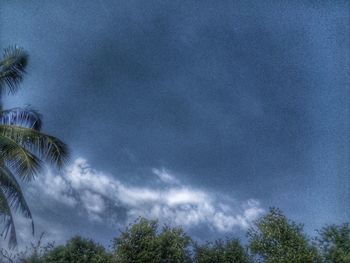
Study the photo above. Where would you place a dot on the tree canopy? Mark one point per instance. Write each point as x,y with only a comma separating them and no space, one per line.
142,242
229,251
334,243
272,239
276,239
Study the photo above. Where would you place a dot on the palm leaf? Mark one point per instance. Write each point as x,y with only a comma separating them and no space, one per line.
45,146
12,68
19,159
7,220
13,193
27,118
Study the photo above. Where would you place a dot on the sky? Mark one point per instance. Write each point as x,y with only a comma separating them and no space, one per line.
198,113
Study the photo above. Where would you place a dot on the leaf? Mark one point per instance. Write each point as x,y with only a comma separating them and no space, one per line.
26,118
19,159
12,68
9,226
45,146
13,193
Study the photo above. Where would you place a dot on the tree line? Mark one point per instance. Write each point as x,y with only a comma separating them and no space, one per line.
273,238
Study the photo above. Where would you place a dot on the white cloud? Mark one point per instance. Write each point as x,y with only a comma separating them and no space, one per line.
93,202
56,187
165,176
54,232
173,203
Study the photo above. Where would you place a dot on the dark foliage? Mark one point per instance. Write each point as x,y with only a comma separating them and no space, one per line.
229,251
272,239
142,243
77,250
275,239
334,243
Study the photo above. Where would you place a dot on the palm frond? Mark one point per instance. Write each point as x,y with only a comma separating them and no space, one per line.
26,117
7,220
46,147
18,159
13,193
12,68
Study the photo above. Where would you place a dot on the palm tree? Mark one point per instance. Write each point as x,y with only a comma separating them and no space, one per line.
23,147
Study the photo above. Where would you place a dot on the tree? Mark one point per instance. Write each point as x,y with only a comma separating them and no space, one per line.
334,243
141,243
77,250
275,239
173,245
229,251
23,147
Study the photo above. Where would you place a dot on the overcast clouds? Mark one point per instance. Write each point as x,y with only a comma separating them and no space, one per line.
212,109
103,200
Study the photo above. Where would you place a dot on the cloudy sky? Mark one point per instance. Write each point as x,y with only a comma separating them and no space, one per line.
198,113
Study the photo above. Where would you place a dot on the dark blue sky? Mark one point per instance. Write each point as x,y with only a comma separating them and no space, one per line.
237,99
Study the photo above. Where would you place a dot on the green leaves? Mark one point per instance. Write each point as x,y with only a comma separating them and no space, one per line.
142,243
46,147
78,250
334,243
23,148
18,159
26,118
230,251
12,69
11,199
17,145
279,240
13,192
7,220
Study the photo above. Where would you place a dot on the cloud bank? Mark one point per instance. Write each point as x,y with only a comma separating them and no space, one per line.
98,195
